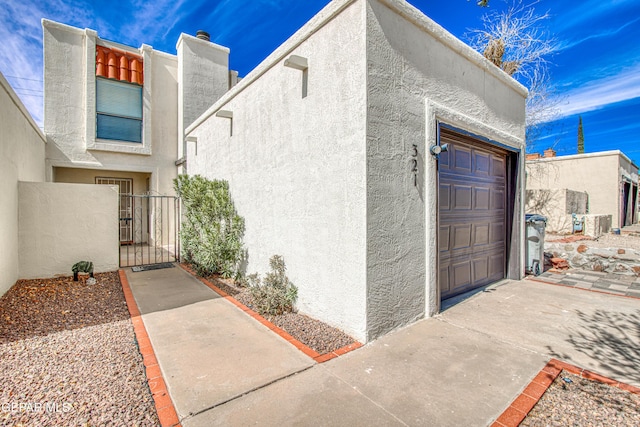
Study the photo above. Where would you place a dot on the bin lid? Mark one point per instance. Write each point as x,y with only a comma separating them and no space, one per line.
535,218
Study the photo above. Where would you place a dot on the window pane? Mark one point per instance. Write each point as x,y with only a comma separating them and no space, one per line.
119,128
117,98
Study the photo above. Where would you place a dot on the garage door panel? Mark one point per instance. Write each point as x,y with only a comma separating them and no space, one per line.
496,266
462,197
444,279
481,198
462,159
480,270
497,199
444,238
481,234
498,166
471,214
445,197
496,232
461,274
482,162
461,236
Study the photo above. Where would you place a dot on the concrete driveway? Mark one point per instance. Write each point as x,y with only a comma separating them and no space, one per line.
462,367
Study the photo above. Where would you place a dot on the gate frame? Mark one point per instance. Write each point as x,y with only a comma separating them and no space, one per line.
163,228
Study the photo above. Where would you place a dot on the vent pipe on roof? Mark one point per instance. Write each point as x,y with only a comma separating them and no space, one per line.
203,35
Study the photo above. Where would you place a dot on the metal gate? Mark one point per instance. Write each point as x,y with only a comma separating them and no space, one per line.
154,222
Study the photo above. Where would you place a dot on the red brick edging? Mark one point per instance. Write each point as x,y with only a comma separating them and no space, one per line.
520,407
319,358
164,406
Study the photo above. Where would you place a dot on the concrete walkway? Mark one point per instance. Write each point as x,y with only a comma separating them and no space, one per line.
617,284
462,367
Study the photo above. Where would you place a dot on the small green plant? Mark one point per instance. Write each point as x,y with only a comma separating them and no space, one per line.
211,230
275,294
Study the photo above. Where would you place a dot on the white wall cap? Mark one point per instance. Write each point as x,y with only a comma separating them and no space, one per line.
47,23
583,156
333,9
191,39
419,19
222,113
297,62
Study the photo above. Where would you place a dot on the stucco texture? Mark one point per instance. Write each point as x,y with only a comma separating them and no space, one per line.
325,180
61,224
69,111
296,166
600,175
418,74
22,148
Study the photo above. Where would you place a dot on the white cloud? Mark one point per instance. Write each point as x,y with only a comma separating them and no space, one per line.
564,45
576,15
598,93
21,48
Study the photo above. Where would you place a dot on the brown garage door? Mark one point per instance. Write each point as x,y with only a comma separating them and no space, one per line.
471,206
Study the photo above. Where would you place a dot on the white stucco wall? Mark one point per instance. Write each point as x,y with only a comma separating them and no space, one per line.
61,224
325,180
69,109
22,147
203,75
598,174
419,74
296,166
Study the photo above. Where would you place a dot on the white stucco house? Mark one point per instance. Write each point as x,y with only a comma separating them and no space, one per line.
329,148
609,178
115,115
379,155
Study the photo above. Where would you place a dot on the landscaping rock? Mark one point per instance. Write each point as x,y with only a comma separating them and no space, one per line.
560,263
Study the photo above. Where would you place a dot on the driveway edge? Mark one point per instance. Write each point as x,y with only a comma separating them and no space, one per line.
524,403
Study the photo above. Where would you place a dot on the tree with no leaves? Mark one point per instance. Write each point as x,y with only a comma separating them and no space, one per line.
514,40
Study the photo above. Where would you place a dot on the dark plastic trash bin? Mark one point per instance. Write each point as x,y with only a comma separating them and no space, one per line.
535,229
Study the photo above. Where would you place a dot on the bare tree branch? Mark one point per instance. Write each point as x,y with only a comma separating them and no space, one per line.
515,41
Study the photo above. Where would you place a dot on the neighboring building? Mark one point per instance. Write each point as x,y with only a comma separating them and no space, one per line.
609,178
116,115
330,145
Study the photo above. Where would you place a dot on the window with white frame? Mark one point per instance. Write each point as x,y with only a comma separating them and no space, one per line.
118,110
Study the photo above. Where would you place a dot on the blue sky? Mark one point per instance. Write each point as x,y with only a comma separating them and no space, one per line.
596,70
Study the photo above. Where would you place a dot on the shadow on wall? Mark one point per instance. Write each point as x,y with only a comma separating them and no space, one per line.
610,338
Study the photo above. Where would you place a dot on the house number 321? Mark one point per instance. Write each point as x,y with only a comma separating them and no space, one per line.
414,162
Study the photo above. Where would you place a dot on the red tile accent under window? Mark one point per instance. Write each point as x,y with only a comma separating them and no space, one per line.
117,64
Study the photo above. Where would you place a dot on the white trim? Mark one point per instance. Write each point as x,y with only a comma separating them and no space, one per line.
331,11
585,155
325,16
434,113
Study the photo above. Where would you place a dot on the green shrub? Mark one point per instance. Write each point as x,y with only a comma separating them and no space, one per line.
276,294
211,231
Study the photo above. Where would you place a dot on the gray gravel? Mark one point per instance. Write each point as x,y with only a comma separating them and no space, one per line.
583,402
85,376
